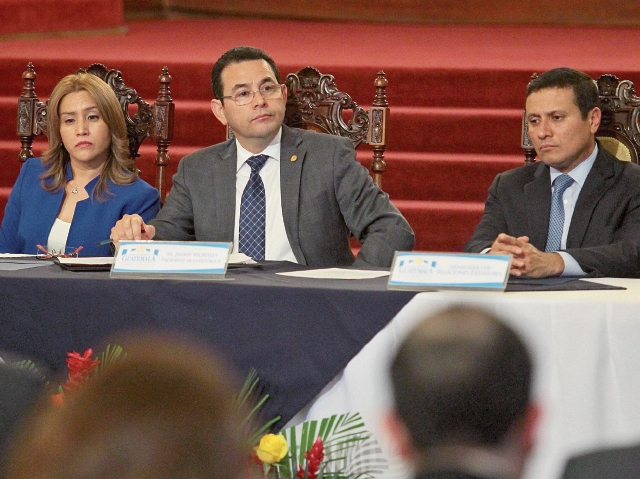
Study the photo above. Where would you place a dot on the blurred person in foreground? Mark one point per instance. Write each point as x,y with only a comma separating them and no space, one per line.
165,411
462,388
84,182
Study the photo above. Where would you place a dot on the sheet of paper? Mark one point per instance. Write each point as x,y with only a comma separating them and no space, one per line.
87,260
337,273
14,256
240,258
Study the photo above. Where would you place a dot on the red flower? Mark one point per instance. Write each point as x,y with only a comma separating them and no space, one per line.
80,367
57,399
314,457
254,458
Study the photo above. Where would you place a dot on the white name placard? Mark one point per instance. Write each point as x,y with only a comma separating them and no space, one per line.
464,271
170,259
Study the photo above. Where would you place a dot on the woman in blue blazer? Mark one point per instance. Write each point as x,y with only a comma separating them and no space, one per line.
84,182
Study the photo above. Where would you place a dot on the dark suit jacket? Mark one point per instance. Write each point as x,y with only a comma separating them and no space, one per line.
326,195
615,463
604,235
19,391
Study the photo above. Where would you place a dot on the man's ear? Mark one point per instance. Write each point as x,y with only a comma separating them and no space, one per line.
532,419
399,436
218,110
594,118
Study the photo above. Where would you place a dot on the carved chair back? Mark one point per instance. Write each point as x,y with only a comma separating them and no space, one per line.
142,119
619,131
314,102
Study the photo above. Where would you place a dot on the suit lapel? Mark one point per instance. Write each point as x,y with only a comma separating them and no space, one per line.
537,194
598,181
224,191
292,156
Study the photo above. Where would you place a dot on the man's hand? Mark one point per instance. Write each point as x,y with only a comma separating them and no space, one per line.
132,227
526,258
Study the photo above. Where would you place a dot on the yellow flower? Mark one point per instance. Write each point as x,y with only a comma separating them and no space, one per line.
272,448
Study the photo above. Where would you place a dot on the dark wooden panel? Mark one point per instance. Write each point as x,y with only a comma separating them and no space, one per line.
569,12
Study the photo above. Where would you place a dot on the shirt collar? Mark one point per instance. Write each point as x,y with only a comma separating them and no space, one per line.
580,172
272,150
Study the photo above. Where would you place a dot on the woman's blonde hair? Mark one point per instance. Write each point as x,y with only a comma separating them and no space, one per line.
119,167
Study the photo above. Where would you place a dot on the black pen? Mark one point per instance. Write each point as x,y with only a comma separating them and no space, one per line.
110,241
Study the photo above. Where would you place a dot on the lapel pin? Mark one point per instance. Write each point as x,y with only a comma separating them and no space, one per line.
294,157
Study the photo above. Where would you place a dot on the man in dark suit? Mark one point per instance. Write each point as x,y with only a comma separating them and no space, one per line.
613,463
317,194
575,212
462,383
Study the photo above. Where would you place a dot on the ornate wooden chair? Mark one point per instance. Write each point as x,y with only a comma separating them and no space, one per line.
619,130
314,102
155,121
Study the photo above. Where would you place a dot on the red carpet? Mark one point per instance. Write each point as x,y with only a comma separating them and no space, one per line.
456,92
29,17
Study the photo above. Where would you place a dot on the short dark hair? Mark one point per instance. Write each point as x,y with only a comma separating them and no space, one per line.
462,377
238,55
585,91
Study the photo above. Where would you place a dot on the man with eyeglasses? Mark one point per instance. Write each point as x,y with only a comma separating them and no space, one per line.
308,186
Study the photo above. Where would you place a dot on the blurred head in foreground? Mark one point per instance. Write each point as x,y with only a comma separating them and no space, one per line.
462,386
164,411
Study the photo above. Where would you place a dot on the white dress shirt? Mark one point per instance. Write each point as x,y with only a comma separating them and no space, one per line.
277,245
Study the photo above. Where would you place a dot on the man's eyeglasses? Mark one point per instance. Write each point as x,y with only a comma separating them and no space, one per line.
43,253
245,96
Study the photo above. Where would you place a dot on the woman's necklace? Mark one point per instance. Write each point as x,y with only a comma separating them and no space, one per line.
74,190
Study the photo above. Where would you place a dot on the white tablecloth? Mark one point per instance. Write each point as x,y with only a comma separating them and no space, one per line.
587,357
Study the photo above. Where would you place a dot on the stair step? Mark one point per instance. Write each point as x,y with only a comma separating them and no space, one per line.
37,16
409,175
430,87
441,225
463,130
442,176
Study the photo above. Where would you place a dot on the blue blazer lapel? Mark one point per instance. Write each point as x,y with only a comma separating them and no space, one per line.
224,191
292,157
537,194
598,181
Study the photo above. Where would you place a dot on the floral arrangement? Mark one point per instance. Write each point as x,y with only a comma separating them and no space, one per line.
81,367
337,447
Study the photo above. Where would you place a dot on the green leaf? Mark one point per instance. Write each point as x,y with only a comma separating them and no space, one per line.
244,401
350,451
112,354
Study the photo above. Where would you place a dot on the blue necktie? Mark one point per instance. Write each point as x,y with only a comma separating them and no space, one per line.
251,230
556,217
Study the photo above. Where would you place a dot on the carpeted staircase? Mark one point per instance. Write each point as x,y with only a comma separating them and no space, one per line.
454,124
38,17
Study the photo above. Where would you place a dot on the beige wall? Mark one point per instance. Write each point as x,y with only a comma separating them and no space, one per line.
566,12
